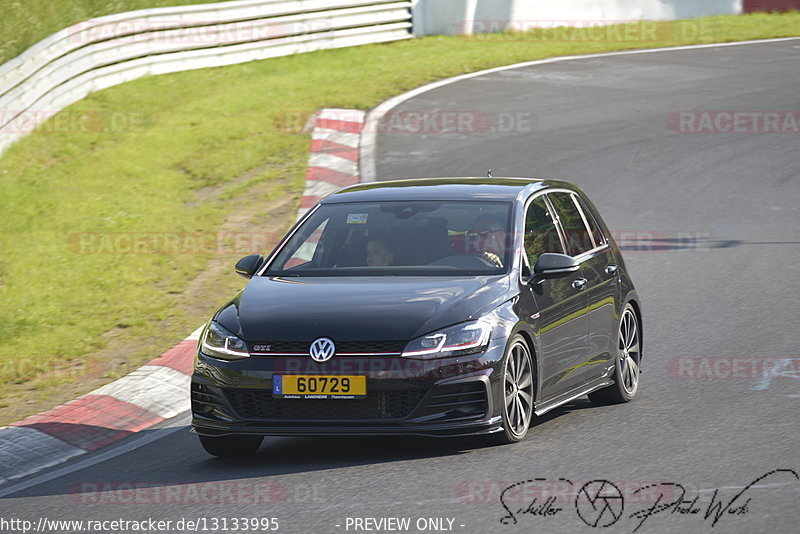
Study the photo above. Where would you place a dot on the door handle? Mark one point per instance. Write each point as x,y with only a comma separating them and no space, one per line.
579,284
611,269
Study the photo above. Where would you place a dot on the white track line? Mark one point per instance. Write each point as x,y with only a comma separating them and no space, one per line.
142,439
26,450
370,131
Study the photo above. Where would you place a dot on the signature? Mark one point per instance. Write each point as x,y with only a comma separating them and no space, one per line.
534,507
601,503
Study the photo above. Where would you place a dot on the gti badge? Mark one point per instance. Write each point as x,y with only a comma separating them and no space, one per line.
322,350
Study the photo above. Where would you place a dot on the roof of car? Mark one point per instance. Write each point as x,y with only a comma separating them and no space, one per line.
503,189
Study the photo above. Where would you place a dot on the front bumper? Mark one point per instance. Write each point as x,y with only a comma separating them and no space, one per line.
448,397
443,430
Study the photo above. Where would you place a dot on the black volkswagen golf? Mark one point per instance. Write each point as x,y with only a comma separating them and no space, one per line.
438,307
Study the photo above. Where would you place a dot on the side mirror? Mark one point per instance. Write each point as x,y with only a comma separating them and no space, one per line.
248,265
551,265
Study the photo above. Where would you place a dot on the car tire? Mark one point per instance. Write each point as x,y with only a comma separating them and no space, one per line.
232,445
627,362
518,392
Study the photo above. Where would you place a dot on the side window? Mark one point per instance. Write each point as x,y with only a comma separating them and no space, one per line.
594,228
578,238
541,233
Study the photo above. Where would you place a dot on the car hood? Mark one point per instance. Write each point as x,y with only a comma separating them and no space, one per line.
358,308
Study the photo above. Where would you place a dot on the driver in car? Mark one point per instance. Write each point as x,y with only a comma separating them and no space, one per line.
487,238
379,253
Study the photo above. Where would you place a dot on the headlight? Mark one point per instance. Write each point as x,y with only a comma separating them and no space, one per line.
220,343
466,338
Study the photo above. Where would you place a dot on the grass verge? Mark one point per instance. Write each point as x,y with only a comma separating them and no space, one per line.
202,167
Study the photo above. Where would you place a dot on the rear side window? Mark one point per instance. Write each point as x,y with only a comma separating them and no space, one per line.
594,228
579,240
541,232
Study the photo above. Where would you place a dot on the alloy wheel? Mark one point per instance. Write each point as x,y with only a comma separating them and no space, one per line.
629,351
518,388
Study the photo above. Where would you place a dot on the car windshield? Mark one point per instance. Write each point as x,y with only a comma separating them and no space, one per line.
413,238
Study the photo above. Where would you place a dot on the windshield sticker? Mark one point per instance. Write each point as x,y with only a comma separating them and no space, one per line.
356,218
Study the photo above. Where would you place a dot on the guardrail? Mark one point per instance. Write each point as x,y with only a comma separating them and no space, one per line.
107,51
751,6
452,17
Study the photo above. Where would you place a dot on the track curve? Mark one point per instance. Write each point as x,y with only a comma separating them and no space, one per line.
713,250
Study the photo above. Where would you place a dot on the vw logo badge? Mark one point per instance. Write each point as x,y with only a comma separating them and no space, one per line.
322,350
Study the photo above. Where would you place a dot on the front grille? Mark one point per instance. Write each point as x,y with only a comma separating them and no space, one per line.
342,347
370,346
293,347
259,404
465,400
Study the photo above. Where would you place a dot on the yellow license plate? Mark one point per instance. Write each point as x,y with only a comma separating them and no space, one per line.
319,386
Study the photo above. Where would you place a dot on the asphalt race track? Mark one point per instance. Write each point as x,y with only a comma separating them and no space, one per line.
709,224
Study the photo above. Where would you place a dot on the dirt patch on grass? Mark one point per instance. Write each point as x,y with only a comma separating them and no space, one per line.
265,209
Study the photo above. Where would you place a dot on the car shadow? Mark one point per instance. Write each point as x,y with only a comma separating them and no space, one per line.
180,461
344,451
